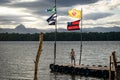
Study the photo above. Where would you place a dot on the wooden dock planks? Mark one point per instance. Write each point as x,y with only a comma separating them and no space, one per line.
90,67
112,71
83,70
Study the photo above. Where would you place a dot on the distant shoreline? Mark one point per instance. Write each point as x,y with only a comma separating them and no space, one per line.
62,36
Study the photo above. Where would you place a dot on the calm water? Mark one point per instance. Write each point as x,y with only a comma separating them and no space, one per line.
17,58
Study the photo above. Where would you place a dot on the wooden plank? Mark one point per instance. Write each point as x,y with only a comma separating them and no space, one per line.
90,67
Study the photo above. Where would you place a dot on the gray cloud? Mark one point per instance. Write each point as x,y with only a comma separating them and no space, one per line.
75,2
95,16
46,3
8,18
114,22
38,7
4,1
12,19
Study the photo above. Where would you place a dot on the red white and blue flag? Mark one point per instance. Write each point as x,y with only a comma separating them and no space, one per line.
73,25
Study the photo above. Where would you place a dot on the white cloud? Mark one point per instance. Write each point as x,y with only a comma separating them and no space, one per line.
32,14
101,7
13,11
21,1
105,22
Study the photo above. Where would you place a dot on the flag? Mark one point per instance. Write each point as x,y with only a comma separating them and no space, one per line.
51,20
75,13
52,17
52,10
51,23
73,25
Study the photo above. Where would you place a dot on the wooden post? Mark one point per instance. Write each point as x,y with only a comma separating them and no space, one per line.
38,56
110,69
113,65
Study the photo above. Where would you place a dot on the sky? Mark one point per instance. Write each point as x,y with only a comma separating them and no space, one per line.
33,14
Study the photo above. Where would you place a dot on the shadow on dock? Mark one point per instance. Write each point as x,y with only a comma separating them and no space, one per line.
92,71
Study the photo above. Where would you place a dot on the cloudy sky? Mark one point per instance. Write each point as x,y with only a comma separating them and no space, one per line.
32,13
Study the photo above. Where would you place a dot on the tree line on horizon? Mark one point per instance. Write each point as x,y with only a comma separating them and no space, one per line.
62,36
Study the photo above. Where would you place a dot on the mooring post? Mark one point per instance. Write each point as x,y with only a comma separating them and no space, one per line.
38,56
110,69
114,66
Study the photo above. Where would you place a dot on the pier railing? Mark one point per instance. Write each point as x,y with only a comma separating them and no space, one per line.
114,65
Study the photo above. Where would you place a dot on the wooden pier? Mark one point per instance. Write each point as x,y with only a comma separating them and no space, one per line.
83,70
111,72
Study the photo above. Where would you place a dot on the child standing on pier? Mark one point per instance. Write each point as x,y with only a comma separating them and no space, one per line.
72,54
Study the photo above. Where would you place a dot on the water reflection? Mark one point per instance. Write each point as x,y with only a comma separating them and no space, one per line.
72,77
53,76
16,58
58,76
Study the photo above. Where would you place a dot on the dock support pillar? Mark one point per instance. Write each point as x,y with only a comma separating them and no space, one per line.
114,66
38,56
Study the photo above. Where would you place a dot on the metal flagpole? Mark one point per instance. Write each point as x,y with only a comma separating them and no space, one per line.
81,39
55,34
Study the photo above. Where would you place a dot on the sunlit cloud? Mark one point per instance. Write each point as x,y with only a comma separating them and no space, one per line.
13,11
21,1
32,13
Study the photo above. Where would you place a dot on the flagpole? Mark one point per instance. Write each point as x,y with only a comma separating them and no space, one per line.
55,34
80,39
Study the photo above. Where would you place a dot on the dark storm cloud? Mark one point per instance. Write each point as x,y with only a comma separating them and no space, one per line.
66,3
63,3
95,16
38,7
35,4
4,1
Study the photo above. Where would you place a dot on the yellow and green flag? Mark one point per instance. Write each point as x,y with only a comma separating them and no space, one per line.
75,13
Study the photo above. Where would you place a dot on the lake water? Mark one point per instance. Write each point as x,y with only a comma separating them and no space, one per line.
17,58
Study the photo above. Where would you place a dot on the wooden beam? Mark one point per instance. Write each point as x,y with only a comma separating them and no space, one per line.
110,69
38,56
114,63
